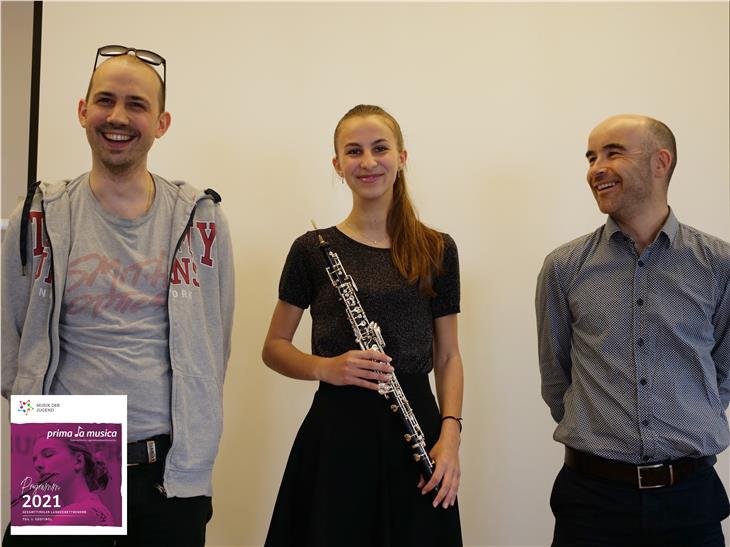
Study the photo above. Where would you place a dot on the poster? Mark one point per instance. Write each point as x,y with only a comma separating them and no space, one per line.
67,465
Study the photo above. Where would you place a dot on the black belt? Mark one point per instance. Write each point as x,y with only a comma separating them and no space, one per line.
650,475
149,450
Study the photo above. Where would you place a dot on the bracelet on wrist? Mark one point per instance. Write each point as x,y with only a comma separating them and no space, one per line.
458,420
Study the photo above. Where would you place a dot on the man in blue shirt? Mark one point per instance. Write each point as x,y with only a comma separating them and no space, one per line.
634,343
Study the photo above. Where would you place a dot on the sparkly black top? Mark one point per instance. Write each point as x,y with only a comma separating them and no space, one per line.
404,314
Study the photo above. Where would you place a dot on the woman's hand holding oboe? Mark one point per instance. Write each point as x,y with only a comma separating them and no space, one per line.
355,368
445,454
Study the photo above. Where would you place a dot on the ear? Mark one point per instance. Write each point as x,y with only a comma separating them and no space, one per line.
402,157
163,124
660,163
79,463
82,112
336,165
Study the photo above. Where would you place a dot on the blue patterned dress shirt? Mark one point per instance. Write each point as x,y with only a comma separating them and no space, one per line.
635,350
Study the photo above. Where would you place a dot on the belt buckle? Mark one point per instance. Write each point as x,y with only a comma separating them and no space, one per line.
640,468
152,453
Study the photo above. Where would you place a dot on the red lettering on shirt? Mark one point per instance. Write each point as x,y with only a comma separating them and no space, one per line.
36,220
207,233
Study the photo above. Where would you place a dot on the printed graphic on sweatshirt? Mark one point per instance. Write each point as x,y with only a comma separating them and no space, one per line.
41,250
97,283
185,267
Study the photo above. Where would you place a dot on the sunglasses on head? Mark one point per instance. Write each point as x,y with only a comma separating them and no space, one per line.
145,55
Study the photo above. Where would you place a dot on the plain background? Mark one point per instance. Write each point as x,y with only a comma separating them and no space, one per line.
496,102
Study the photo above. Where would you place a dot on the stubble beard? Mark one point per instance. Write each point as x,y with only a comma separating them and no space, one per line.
118,168
117,163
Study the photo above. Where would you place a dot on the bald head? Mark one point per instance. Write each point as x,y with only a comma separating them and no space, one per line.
131,62
656,134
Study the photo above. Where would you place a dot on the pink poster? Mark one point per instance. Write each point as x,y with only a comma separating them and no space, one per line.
66,474
66,477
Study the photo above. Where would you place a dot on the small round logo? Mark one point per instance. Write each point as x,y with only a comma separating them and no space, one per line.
25,407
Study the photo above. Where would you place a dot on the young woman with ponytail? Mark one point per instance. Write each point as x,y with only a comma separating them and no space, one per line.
351,479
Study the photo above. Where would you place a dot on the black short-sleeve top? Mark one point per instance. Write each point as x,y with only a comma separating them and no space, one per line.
404,314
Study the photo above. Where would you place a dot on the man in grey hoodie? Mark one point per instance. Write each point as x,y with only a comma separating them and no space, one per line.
123,284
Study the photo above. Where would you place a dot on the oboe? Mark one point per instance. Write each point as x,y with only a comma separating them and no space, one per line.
368,337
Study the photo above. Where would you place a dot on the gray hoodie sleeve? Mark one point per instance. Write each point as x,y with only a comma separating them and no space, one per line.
227,280
15,297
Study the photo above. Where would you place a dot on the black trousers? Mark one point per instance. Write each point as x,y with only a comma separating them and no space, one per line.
593,512
152,518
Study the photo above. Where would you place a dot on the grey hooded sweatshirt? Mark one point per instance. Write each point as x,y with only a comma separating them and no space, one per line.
199,336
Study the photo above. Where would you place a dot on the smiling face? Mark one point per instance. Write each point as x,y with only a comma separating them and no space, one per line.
368,158
121,116
620,168
53,460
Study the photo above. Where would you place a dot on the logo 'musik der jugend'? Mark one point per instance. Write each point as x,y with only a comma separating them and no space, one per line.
25,407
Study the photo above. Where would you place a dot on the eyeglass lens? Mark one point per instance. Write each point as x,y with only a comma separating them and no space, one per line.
143,54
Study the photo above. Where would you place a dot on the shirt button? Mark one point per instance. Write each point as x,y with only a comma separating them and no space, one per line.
642,381
645,458
641,263
645,423
640,302
640,341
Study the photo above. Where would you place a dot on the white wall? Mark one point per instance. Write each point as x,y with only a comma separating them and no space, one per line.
17,47
496,102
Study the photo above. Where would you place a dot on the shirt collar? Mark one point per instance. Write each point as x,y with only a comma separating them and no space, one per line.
670,227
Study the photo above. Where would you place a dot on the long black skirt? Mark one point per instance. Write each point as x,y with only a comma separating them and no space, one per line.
351,480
